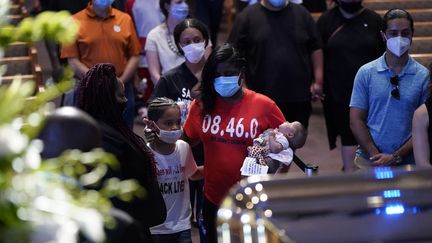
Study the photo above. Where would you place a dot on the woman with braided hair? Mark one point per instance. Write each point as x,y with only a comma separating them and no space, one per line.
102,96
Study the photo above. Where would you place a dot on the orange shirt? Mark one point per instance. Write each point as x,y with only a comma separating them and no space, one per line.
111,40
226,133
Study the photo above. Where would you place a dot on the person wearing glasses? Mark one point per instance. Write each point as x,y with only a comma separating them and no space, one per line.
385,95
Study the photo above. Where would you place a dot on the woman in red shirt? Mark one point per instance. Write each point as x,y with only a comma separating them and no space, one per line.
226,118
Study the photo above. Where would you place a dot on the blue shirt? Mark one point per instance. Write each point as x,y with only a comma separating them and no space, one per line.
389,119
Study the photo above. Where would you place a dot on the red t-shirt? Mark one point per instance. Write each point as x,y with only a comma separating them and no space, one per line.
226,133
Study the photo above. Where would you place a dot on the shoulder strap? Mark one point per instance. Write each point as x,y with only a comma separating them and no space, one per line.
336,31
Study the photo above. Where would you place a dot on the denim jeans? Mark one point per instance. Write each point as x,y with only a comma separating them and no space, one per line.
196,189
179,237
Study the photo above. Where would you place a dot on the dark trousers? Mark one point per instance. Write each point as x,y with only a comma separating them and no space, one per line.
209,215
196,192
179,237
296,111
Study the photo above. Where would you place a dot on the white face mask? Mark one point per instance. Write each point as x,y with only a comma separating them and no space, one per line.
169,136
194,52
398,45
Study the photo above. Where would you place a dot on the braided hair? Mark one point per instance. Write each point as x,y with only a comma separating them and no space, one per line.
97,97
158,106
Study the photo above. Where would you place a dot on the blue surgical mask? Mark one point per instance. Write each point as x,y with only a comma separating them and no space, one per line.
103,4
227,86
179,11
277,3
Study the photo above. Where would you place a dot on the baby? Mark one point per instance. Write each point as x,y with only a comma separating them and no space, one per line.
277,144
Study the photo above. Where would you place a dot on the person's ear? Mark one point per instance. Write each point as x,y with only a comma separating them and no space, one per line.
291,135
383,36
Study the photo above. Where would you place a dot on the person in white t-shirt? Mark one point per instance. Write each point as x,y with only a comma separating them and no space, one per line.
161,51
175,165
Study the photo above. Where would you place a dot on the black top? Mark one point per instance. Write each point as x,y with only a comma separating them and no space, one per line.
429,110
134,164
315,5
348,44
278,46
177,85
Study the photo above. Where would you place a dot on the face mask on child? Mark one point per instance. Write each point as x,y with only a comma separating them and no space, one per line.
169,136
179,11
227,86
121,106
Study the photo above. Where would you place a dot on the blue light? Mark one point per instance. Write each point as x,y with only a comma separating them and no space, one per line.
391,193
394,209
383,173
377,211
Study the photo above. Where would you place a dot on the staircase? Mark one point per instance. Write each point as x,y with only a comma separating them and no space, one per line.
21,58
421,10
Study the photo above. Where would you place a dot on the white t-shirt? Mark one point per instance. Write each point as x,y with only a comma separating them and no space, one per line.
173,171
157,40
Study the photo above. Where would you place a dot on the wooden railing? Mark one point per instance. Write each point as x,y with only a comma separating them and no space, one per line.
21,58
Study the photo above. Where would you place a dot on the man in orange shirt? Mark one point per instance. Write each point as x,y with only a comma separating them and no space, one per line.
106,35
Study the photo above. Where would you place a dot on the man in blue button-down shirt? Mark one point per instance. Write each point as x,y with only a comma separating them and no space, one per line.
385,95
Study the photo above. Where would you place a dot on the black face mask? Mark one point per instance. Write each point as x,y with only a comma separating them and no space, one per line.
121,106
350,7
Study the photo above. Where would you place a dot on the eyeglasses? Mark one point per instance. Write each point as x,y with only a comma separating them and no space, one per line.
395,91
